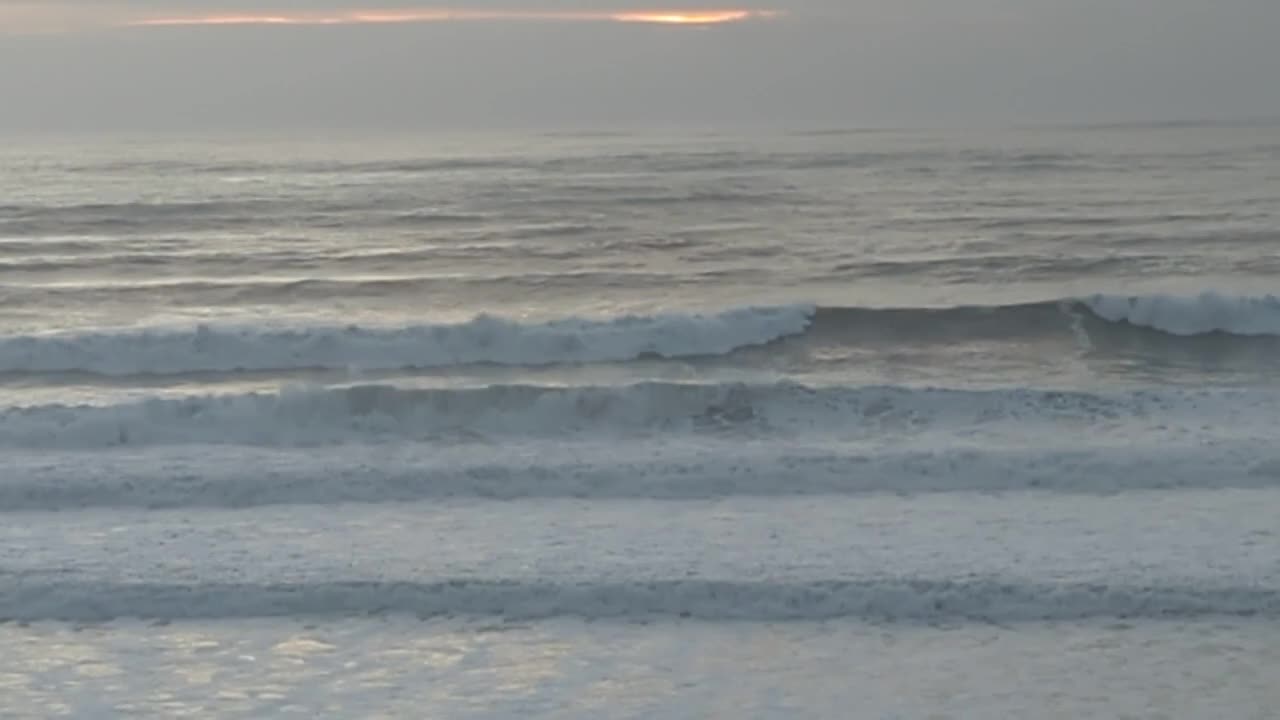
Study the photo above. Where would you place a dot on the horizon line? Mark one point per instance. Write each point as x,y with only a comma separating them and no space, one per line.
687,17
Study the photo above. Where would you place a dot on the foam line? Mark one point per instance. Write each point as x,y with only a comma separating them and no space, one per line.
375,414
895,600
1208,312
203,477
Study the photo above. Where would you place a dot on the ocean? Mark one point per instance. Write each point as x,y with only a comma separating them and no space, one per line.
868,424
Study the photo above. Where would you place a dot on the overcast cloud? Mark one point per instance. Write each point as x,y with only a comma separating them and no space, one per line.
68,64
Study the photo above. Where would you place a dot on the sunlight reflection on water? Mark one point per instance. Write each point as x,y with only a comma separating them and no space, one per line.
404,668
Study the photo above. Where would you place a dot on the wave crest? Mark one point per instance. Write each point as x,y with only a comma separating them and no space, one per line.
1208,312
491,340
484,340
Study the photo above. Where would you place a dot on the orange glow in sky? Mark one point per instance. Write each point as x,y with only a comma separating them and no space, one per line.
699,17
372,17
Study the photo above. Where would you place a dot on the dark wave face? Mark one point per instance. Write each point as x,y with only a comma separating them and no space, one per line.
1206,338
1167,319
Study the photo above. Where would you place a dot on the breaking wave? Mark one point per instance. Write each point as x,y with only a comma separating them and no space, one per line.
483,340
1208,312
490,340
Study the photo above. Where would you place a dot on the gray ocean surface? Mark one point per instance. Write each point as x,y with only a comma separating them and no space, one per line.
319,410
960,257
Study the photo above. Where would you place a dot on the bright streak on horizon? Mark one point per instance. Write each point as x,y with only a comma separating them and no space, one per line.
375,17
709,17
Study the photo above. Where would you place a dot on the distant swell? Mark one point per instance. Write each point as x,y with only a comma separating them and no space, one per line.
897,600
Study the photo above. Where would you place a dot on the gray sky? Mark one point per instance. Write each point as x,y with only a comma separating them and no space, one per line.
71,64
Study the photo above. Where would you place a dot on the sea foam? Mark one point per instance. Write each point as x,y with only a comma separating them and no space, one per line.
378,414
1207,312
977,599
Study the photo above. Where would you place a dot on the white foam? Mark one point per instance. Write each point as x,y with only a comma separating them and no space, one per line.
1012,556
887,599
379,445
485,339
1192,315
366,414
